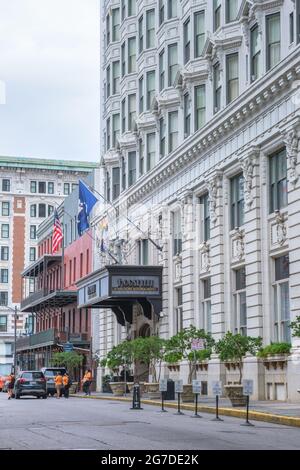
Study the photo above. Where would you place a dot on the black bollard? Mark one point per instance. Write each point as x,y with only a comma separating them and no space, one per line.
247,423
136,398
162,403
178,406
196,415
217,410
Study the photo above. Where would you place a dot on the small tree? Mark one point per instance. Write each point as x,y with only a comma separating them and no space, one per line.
69,360
150,351
295,326
179,347
235,347
119,355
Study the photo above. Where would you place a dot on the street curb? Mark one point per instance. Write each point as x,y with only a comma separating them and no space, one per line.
254,415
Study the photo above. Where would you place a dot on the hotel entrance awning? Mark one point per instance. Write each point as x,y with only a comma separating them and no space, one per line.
120,287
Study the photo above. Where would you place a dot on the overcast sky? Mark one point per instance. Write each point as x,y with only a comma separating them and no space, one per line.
49,64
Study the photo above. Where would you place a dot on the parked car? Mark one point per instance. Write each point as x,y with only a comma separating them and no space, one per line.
3,383
50,373
30,383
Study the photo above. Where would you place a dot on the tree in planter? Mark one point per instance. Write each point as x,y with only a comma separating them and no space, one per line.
179,347
150,350
70,360
274,349
235,347
120,355
295,326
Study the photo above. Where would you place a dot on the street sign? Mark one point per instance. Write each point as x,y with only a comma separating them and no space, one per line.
247,387
198,344
68,347
217,388
196,386
163,385
178,386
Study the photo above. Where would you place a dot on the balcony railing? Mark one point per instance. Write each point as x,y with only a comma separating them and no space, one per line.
34,297
49,337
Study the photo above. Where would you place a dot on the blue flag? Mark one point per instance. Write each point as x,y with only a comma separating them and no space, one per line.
87,200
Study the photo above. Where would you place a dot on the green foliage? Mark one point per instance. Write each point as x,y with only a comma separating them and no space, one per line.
70,360
180,347
235,347
120,355
275,348
149,350
295,326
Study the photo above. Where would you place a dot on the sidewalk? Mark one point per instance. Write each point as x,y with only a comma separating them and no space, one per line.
268,411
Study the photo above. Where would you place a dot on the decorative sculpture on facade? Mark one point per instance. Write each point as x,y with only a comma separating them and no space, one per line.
292,145
281,232
213,187
248,170
205,257
238,244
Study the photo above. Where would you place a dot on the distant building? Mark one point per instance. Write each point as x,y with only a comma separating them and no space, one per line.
30,188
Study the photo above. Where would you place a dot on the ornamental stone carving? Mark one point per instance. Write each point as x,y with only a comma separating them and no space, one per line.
213,189
178,269
205,257
238,246
281,231
248,171
292,145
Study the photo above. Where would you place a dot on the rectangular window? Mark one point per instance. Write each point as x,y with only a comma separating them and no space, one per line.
116,77
74,186
115,24
240,306
273,40
123,58
50,210
206,305
278,181
231,10
143,249
161,11
107,30
131,168
5,209
141,156
131,7
108,82
4,253
173,130
200,106
237,202
217,14
33,186
187,115
172,9
187,41
32,254
255,53
232,73
172,63
150,29
33,210
123,173
42,187
162,137
177,233
123,106
141,34
116,129
162,70
178,310
150,151
199,31
205,217
292,34
42,210
141,95
131,112
50,187
217,88
131,55
108,134
108,185
5,231
150,88
123,9
66,189
115,183
4,276
6,185
32,232
3,318
282,314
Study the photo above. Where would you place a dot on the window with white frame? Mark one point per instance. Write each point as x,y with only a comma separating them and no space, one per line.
4,253
115,183
107,30
3,318
172,9
162,70
143,252
42,210
5,206
66,189
206,304
141,34
108,82
123,108
278,181
200,106
205,217
150,151
5,185
124,175
131,55
131,7
50,210
31,286
178,310
231,10
115,24
177,233
232,73
187,40
50,187
123,58
217,87
123,9
162,137
115,129
131,168
131,111
141,157
187,115
107,187
199,32
33,186
141,94
173,130
4,276
150,88
32,253
292,28
32,232
255,51
217,5
4,230
3,298
172,63
116,77
273,39
42,187
237,202
150,29
108,134
161,11
239,301
281,297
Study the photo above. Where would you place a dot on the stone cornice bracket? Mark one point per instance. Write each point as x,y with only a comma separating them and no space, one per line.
213,191
248,160
291,137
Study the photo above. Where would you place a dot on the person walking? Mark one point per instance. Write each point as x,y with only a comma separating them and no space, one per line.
58,384
87,380
66,384
10,387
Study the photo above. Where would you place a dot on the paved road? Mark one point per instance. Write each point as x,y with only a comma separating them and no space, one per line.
106,425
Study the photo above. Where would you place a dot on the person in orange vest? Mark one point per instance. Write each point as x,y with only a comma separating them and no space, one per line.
58,384
86,381
66,384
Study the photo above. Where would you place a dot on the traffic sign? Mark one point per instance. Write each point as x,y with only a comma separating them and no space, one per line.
68,347
196,386
163,385
247,387
217,388
198,344
178,386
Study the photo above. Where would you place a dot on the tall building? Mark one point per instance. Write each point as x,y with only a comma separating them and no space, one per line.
201,113
30,189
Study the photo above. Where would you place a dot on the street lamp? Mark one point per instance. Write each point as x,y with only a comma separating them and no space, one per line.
15,310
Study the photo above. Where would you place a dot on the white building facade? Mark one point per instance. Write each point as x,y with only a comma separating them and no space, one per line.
201,131
30,189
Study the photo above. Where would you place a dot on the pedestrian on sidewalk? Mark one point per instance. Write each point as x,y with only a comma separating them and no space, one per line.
67,384
58,384
10,387
86,382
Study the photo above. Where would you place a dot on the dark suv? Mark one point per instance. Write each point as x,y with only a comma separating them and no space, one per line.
30,383
50,373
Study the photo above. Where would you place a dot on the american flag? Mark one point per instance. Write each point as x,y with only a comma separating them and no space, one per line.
57,233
